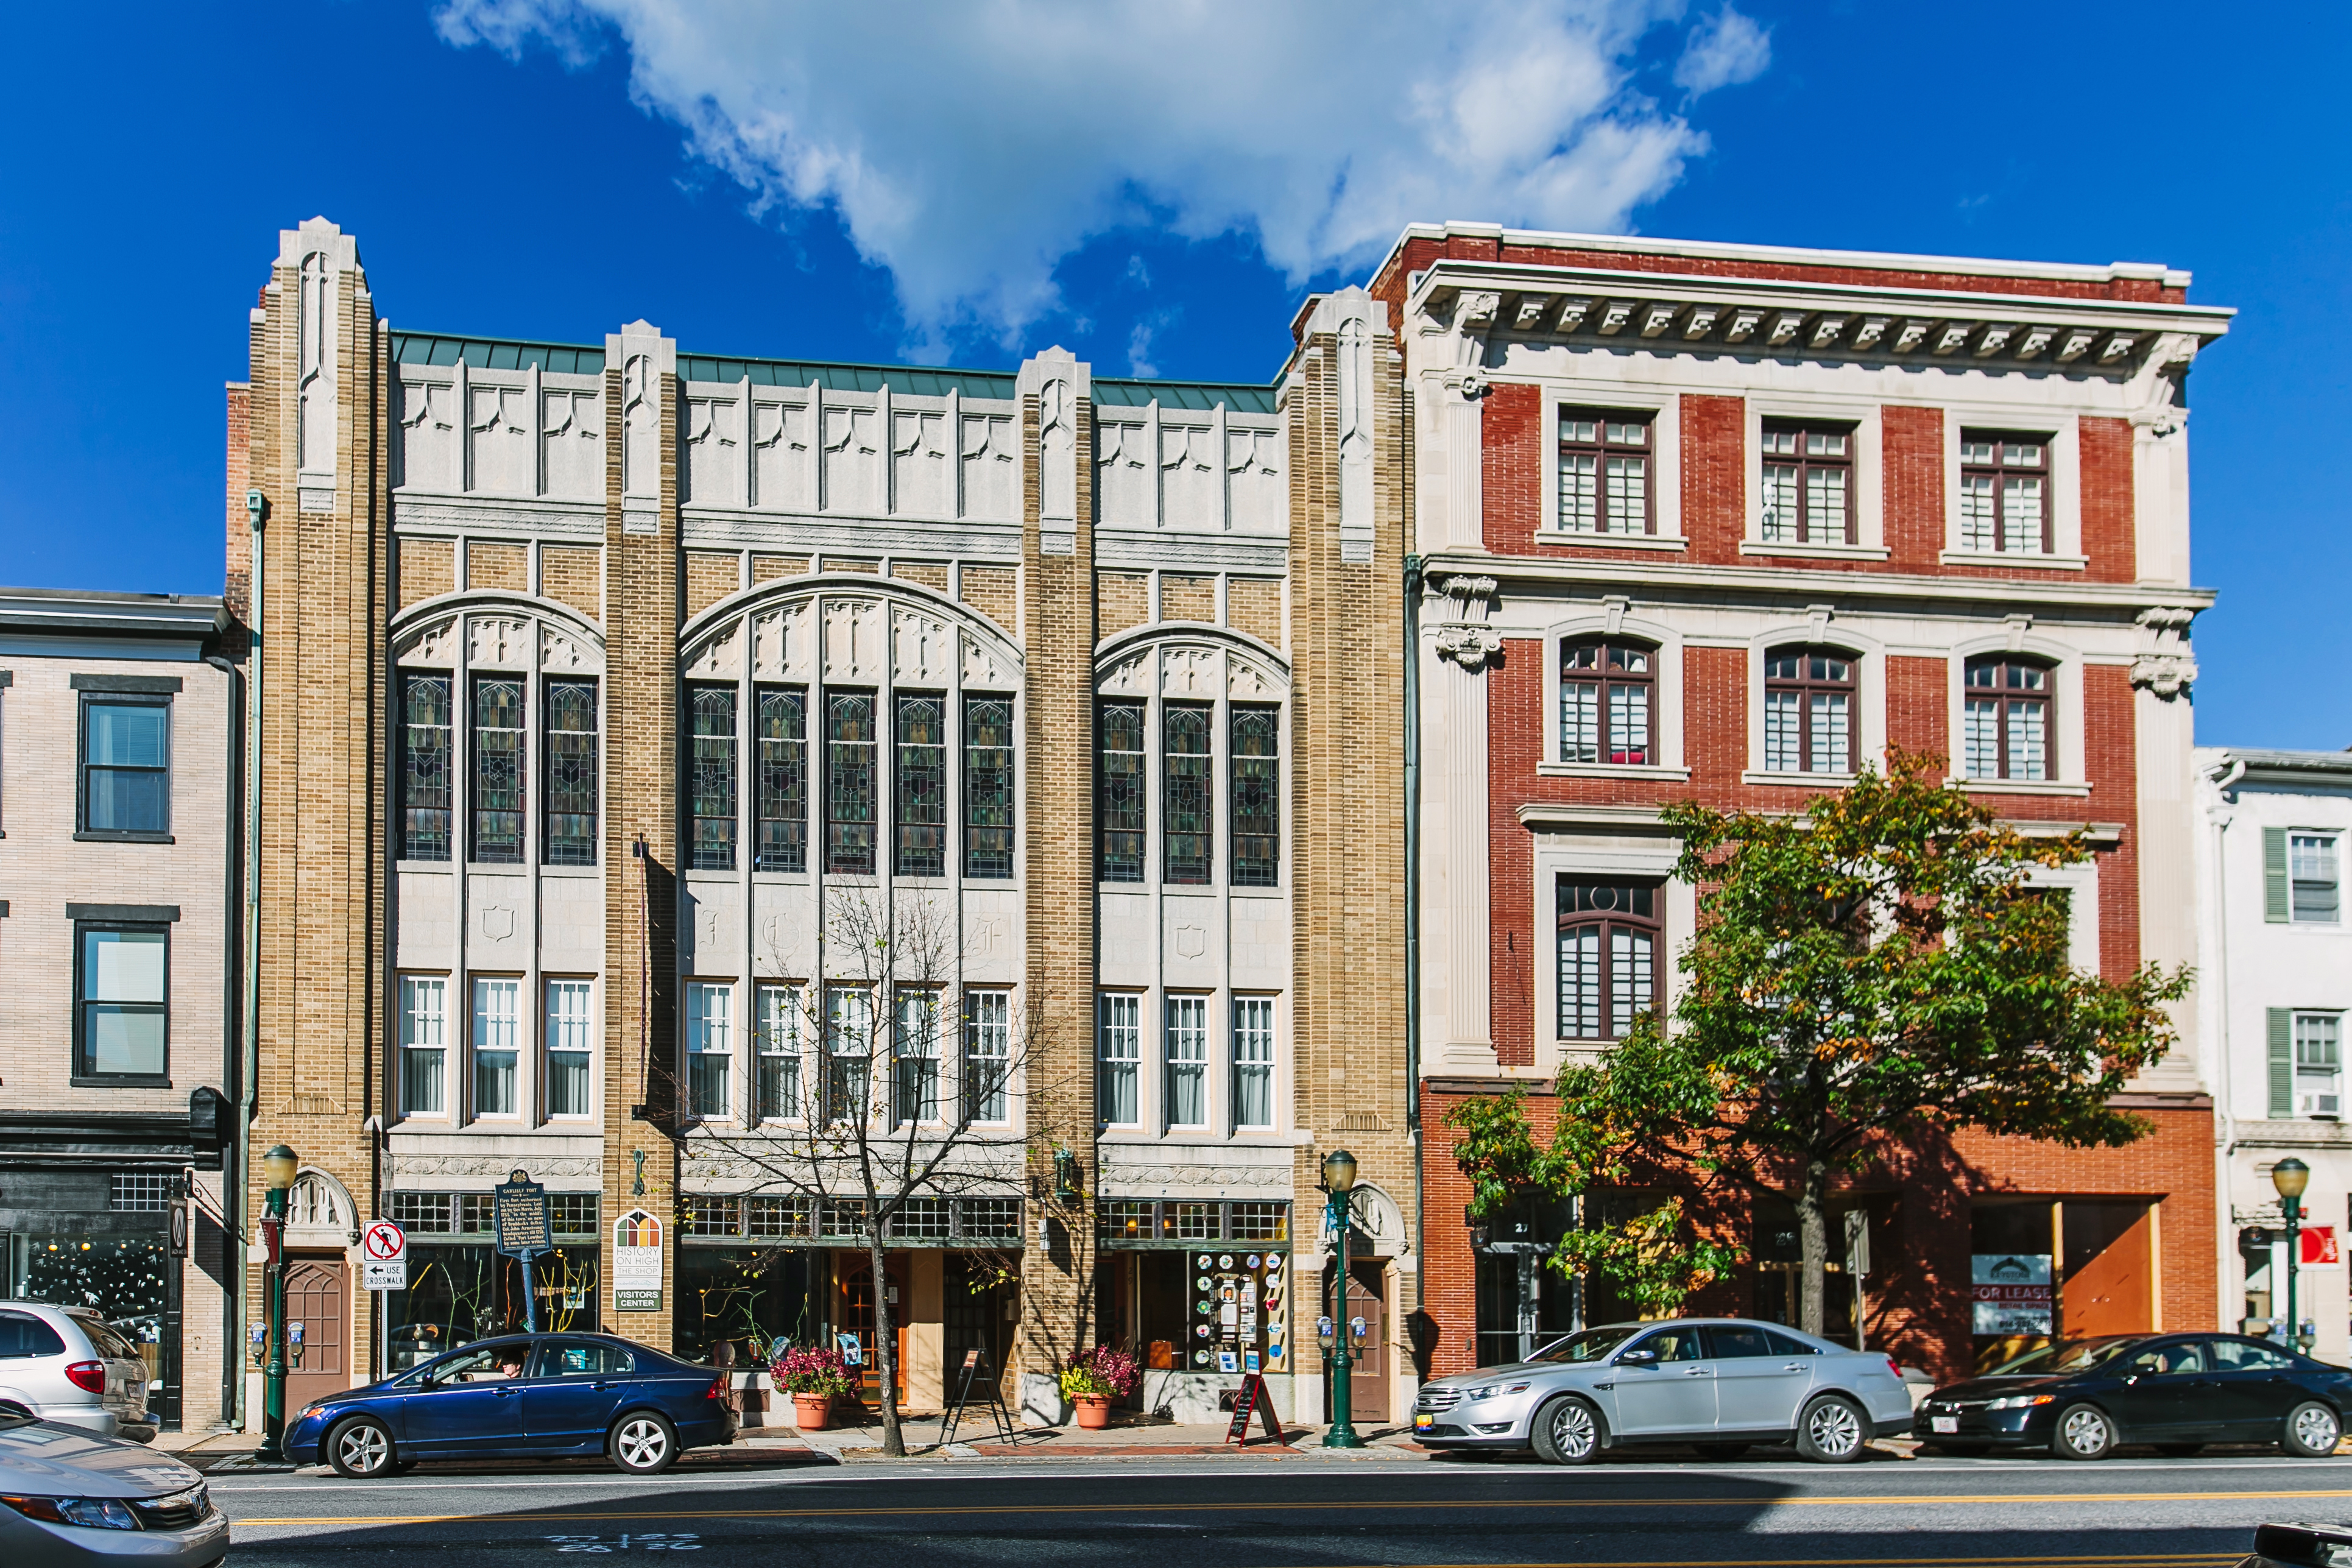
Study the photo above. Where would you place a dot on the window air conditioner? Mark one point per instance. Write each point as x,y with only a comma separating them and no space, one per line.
2330,1105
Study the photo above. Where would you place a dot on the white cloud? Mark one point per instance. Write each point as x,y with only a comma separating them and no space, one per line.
1724,50
969,147
1138,348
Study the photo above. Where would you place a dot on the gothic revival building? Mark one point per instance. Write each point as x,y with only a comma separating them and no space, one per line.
618,702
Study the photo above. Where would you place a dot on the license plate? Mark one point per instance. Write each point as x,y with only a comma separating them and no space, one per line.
1422,1419
1943,1423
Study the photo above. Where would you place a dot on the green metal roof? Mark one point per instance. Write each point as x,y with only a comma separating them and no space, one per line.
491,353
574,359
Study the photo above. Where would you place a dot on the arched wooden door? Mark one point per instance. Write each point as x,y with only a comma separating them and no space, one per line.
318,1296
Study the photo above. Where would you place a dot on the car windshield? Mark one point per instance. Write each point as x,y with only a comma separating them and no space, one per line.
1589,1345
2065,1356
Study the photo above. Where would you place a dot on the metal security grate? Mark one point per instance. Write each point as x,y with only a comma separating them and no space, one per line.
141,1191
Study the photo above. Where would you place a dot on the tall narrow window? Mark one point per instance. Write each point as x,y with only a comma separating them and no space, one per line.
2319,1064
1607,699
987,1053
498,1045
849,742
1808,711
919,799
567,1047
1187,1042
126,775
423,1044
1118,1055
784,781
425,804
1808,485
848,1048
2312,878
1608,957
498,744
915,1051
123,1021
2006,720
1119,792
1188,811
988,787
570,743
710,1048
780,1054
2005,493
1256,763
711,781
1252,1061
1604,472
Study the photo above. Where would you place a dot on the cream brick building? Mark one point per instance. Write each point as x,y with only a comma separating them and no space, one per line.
119,916
606,687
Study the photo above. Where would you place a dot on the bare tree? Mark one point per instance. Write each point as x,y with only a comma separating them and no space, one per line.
872,1107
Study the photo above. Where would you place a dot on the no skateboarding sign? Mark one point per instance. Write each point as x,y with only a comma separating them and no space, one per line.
384,1256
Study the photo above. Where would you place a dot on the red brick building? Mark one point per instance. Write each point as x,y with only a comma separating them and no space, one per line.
1730,522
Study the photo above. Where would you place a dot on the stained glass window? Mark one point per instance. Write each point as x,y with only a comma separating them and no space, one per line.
570,743
988,787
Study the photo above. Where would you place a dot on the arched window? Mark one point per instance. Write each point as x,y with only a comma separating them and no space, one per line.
1809,701
2005,721
1608,702
1608,957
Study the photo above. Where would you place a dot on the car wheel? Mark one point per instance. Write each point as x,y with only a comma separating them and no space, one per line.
642,1443
359,1448
2083,1432
1721,1450
1833,1430
2180,1450
2312,1430
1566,1431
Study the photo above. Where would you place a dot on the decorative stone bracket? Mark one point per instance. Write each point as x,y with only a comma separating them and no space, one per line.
2164,664
1465,637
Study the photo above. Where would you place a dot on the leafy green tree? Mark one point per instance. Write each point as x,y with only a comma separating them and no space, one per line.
1873,970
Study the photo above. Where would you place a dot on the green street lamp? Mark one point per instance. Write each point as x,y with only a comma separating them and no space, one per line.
2291,1176
278,1168
1339,1185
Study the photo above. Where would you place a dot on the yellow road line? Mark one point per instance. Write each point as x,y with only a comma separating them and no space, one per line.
981,1510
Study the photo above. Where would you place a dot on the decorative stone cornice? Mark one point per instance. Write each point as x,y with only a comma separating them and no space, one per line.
2164,664
1474,300
1466,638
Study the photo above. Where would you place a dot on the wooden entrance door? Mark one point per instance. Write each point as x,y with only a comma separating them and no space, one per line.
854,1314
1367,1385
317,1297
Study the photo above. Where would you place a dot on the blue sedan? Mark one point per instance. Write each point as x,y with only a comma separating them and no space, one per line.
552,1395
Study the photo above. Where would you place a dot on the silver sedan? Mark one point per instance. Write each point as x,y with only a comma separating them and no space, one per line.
71,1498
1723,1384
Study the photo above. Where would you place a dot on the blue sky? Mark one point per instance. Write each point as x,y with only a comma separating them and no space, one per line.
1155,188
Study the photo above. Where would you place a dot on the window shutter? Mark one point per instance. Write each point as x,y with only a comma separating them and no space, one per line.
2275,890
2282,1063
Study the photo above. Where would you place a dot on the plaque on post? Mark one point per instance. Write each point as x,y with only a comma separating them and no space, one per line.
519,1216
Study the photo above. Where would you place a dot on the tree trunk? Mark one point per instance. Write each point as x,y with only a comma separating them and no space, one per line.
886,1345
1813,1230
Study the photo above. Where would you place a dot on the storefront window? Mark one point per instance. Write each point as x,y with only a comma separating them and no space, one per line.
120,1277
753,1296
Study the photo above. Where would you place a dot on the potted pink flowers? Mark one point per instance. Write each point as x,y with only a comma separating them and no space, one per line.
814,1377
1095,1378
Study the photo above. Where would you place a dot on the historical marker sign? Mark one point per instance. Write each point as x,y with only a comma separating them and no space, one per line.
518,1210
637,1262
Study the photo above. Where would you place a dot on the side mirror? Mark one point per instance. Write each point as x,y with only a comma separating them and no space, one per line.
1638,1358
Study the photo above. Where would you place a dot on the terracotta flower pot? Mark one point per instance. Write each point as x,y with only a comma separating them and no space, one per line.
1093,1411
811,1412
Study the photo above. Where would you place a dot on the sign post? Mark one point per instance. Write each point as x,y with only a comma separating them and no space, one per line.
384,1256
519,1209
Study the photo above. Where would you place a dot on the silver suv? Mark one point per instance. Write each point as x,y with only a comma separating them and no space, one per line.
1723,1384
64,1364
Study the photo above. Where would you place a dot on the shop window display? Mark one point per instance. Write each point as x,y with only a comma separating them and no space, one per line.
756,1297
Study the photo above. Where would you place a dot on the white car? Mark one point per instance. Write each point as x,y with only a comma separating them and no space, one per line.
1723,1384
64,1364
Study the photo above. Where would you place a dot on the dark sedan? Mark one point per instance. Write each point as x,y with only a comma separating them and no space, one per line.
2082,1398
553,1395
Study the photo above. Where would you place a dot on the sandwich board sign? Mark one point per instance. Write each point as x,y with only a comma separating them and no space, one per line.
384,1256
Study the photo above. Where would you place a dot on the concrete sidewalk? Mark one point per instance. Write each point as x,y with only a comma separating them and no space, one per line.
861,1441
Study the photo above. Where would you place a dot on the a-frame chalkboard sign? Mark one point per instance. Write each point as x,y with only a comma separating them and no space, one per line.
980,1384
1248,1399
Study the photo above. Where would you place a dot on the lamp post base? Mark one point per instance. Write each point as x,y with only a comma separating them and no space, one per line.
1342,1438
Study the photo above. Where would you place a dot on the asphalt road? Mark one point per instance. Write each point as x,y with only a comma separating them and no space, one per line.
1302,1512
